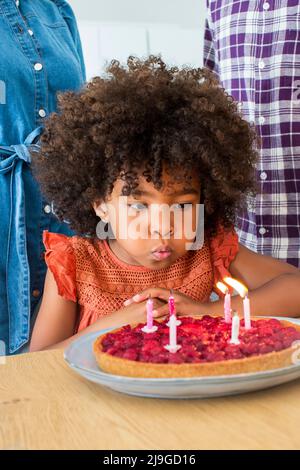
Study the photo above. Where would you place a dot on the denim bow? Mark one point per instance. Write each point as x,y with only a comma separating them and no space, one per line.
12,206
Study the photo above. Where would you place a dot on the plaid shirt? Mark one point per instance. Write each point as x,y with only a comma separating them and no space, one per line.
254,47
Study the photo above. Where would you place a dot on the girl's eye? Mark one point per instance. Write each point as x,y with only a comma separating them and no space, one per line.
181,207
137,206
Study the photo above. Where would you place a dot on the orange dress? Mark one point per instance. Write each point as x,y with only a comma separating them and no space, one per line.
87,272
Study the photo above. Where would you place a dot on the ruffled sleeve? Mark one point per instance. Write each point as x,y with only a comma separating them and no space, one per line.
224,248
60,259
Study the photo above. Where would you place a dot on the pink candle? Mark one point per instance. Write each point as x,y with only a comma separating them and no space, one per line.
149,328
172,311
149,308
227,301
171,303
227,307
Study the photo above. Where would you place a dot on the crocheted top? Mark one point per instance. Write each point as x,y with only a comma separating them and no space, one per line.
88,272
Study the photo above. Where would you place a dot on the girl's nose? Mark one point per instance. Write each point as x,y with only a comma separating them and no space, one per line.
161,222
162,233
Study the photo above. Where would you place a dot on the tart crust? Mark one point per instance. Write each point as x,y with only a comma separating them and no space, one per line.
125,367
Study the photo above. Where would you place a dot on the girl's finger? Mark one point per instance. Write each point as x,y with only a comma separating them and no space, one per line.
153,292
134,299
158,303
161,312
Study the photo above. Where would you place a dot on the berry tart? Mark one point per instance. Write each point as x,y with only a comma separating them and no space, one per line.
205,348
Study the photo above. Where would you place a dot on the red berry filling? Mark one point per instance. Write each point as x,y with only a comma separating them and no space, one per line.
202,340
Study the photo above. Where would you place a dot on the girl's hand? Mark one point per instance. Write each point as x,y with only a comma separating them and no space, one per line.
184,305
136,312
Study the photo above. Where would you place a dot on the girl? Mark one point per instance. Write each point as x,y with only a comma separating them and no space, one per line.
129,146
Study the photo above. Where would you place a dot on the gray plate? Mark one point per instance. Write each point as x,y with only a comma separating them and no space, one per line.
79,356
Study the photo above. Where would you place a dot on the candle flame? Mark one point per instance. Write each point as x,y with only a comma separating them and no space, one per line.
236,285
221,286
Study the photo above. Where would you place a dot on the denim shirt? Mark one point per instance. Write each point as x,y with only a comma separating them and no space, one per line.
40,54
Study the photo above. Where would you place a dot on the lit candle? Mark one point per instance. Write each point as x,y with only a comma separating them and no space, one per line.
227,301
149,328
243,292
172,347
172,311
235,329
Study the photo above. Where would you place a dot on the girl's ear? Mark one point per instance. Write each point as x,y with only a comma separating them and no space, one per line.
101,210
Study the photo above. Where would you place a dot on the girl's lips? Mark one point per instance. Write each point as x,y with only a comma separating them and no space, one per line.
161,255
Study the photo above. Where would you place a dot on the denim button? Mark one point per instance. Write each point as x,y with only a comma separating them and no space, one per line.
38,66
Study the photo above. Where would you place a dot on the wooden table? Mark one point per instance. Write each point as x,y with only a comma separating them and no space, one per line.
45,405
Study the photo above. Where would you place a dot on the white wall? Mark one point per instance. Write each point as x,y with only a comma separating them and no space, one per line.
183,12
115,29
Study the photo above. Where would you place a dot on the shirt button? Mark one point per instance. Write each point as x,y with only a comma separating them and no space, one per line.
30,32
42,113
266,6
263,175
261,120
35,293
262,230
261,64
38,66
18,3
47,209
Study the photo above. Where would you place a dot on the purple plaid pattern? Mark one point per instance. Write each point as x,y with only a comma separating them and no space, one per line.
254,47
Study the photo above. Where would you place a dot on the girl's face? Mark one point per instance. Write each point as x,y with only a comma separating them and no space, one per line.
152,228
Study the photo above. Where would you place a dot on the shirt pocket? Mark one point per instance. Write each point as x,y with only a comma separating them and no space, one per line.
46,12
229,35
48,22
286,43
